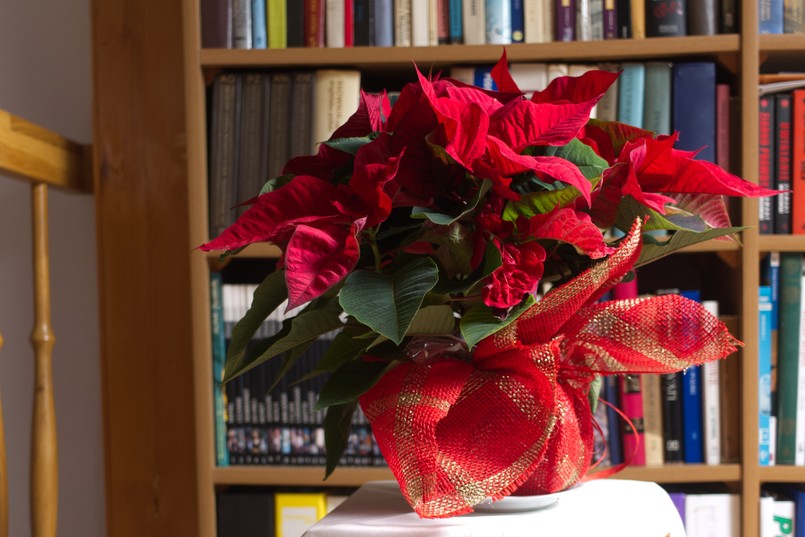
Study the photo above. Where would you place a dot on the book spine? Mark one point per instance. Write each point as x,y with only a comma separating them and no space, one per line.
584,23
782,164
610,19
793,16
334,24
218,361
711,402
798,163
652,419
729,392
666,18
790,326
638,14
607,107
216,23
548,19
518,21
766,141
259,30
723,125
443,22
596,20
402,23
632,405
420,23
672,417
799,417
703,16
336,97
624,14
770,16
349,21
692,429
280,123
223,151
764,375
300,138
498,22
474,22
251,170
362,23
615,442
384,23
565,20
295,22
242,24
533,21
657,106
456,22
729,17
694,108
314,23
433,22
631,93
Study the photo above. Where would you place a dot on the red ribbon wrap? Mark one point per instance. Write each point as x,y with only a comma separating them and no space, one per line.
516,419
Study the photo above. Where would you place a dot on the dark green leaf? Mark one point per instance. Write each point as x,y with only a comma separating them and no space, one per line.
276,182
433,320
343,349
480,321
446,219
350,381
491,261
680,239
542,202
337,424
350,145
387,303
582,155
630,209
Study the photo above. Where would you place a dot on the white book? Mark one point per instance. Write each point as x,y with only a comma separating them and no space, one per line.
712,515
783,517
767,516
652,419
548,20
530,76
555,70
596,20
474,18
607,107
463,74
584,24
334,24
336,95
498,22
242,23
420,23
402,23
711,402
433,23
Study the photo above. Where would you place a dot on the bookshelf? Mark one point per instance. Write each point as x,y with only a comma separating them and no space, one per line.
150,170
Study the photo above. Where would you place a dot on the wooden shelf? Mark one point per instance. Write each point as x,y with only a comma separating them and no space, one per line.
297,475
782,243
782,474
256,250
386,57
683,473
782,43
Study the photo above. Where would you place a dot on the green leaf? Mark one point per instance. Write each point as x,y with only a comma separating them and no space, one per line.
582,155
304,328
630,209
387,303
595,391
533,203
680,239
337,424
276,182
491,261
480,321
350,145
433,320
344,348
446,219
268,296
350,381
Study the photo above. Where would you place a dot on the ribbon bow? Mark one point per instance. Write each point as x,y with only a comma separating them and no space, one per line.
516,419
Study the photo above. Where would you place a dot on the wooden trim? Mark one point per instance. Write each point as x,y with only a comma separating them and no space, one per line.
33,153
3,474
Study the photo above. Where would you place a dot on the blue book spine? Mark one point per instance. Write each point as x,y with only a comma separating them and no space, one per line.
770,16
631,93
384,23
498,22
218,361
692,430
518,21
613,421
456,22
799,511
694,108
764,375
483,78
259,34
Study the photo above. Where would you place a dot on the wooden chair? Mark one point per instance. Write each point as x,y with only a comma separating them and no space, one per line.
43,159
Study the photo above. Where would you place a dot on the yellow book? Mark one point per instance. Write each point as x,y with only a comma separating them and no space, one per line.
276,24
638,19
296,512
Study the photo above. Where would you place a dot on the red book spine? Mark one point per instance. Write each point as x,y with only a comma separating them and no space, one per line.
723,125
632,407
314,23
349,26
765,163
798,162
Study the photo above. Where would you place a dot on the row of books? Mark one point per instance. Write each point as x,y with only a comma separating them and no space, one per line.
781,360
708,514
260,24
781,16
263,511
672,418
782,511
259,423
259,120
781,161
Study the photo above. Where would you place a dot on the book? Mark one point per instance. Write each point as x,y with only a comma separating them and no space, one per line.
711,402
530,76
279,128
790,363
456,22
793,16
637,12
253,136
244,512
216,24
766,172
584,22
764,375
632,435
218,361
420,23
729,17
657,98
624,17
693,107
729,380
770,16
611,393
703,17
498,22
782,162
300,137
402,23
443,21
564,20
314,23
652,419
709,515
692,429
296,512
631,93
433,22
242,24
259,28
518,21
384,23
362,24
349,23
666,19
336,96
723,125
295,24
225,102
474,22
607,107
596,20
610,19
535,13
334,24
798,162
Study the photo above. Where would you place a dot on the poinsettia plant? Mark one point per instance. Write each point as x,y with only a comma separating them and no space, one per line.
423,228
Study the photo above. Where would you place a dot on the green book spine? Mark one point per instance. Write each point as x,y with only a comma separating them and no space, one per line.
788,355
218,361
277,24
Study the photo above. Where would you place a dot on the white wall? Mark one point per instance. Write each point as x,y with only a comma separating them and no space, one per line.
46,77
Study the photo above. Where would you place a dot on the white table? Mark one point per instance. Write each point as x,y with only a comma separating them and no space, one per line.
602,508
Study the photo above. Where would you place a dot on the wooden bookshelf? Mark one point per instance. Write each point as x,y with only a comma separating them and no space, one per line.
150,173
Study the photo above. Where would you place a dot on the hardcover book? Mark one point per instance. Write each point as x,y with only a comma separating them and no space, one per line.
565,20
584,23
770,16
242,24
624,14
766,162
631,93
657,106
729,17
216,23
782,162
403,26
253,123
764,375
295,22
798,162
456,22
666,18
518,21
610,19
498,26
793,16
632,432
314,23
788,358
420,23
259,27
703,17
474,13
711,402
692,429
223,151
384,23
638,16
652,419
694,108
334,21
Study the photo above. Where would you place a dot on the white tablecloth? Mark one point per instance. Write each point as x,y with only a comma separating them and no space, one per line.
599,508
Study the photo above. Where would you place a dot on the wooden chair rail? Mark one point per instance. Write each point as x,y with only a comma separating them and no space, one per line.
42,158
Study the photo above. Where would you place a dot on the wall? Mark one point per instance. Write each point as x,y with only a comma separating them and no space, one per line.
45,58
